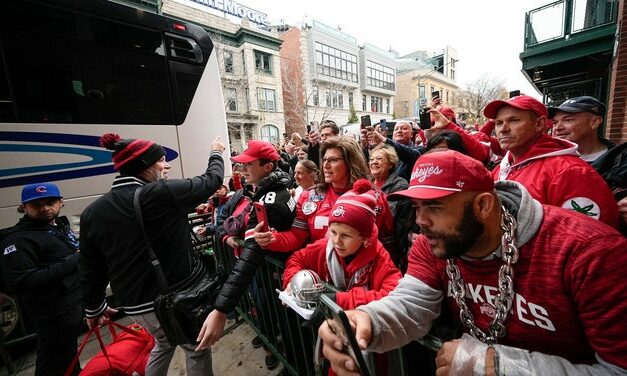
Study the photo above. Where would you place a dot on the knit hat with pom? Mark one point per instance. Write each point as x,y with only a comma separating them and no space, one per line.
356,208
131,156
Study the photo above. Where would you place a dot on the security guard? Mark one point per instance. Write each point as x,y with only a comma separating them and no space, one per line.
40,266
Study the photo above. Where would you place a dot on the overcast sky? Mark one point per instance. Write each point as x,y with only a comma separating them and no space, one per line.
487,34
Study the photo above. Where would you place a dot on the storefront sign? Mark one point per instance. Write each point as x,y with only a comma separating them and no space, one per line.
235,9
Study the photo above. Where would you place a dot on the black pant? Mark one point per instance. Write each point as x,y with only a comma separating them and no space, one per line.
57,342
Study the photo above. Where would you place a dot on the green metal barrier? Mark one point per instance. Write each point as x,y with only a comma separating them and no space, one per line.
278,327
282,332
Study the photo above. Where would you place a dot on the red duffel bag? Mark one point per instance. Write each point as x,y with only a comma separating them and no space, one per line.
127,354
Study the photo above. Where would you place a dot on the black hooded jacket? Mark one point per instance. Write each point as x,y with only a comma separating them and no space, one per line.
273,192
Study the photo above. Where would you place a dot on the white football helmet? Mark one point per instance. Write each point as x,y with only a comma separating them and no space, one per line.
306,286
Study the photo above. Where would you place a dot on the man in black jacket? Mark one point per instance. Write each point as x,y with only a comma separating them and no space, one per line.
259,162
113,248
40,265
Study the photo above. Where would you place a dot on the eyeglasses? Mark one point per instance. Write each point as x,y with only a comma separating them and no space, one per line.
332,160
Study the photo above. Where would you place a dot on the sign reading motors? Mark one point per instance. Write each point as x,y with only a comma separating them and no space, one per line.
235,9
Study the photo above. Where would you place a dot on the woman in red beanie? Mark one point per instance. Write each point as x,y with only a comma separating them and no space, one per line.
342,163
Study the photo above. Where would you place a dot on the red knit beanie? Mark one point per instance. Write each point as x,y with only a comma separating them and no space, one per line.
131,156
356,208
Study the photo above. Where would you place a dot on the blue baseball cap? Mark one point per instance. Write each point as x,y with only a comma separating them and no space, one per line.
36,191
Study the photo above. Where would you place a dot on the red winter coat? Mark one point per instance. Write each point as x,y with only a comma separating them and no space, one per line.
553,173
382,277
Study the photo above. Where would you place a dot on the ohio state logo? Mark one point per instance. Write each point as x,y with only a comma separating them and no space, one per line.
422,173
487,310
338,212
41,189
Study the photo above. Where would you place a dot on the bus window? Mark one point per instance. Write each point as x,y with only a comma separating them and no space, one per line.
6,103
99,85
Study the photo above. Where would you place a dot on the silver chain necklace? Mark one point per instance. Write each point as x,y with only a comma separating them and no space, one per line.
503,301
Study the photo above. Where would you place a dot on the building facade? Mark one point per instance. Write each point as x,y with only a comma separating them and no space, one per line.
419,74
584,54
326,73
250,69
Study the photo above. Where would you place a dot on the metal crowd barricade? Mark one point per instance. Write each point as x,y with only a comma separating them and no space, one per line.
282,332
278,327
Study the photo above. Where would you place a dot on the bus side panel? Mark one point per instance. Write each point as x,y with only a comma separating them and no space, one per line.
205,121
90,181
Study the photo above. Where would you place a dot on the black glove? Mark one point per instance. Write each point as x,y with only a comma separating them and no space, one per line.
318,316
316,319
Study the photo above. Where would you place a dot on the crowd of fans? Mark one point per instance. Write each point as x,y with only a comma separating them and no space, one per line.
516,227
533,171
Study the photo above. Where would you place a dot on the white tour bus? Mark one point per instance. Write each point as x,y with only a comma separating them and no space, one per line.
72,70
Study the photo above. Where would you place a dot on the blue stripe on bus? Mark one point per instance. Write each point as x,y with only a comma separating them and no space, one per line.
96,157
47,172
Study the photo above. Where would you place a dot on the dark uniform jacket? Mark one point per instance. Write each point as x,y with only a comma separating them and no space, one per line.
40,264
113,248
273,192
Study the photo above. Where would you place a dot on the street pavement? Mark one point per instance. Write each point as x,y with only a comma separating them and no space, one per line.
233,355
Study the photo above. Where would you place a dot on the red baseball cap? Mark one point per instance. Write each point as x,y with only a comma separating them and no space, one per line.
443,173
522,102
447,112
257,150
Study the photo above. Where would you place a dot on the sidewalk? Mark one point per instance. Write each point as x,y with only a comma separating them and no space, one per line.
233,355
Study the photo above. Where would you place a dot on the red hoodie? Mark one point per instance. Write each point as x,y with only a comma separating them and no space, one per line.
381,276
553,173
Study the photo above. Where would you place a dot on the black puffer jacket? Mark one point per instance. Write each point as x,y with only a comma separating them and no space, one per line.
40,264
273,192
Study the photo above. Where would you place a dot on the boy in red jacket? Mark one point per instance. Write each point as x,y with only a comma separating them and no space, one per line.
351,257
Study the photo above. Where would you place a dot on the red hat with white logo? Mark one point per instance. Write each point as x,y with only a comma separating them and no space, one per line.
356,208
257,150
443,173
521,102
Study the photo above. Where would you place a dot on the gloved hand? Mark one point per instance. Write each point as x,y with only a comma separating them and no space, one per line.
318,316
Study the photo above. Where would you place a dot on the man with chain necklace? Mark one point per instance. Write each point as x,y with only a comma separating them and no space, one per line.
539,289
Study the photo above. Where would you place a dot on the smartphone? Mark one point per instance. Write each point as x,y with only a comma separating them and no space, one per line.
514,93
260,211
384,125
339,324
365,121
309,127
435,94
425,118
